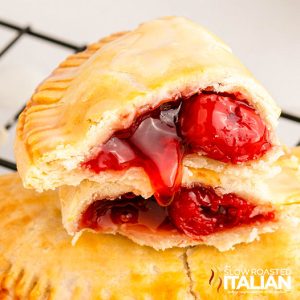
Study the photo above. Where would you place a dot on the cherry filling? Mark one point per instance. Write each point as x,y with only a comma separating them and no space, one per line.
221,126
224,128
129,210
195,212
200,211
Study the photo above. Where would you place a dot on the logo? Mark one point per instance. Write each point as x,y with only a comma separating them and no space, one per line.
252,280
216,277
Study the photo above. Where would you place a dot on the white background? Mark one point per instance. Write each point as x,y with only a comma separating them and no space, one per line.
264,34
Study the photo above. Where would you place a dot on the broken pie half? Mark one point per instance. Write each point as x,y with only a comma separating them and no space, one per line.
162,121
198,214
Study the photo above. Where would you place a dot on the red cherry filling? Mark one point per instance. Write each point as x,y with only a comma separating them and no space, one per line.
200,211
224,128
221,126
129,210
195,212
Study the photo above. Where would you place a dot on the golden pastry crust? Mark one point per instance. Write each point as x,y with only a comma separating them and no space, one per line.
99,91
37,260
283,188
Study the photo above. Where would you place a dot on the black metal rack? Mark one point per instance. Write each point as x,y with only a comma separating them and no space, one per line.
27,30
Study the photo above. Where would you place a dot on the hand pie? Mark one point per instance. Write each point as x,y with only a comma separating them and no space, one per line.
156,100
164,112
197,215
37,260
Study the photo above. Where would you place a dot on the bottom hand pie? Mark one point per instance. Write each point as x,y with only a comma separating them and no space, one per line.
223,212
37,260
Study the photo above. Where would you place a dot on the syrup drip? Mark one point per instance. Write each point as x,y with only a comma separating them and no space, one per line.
153,145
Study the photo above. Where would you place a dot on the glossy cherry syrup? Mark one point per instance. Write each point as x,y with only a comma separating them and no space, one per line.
195,212
152,143
221,126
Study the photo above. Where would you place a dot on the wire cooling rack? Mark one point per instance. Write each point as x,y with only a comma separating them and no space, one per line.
20,32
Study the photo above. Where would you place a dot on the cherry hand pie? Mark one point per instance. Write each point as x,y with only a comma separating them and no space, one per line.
159,128
37,260
198,214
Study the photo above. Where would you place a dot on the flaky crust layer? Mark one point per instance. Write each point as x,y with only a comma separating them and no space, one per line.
37,260
101,90
281,189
